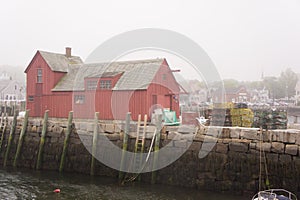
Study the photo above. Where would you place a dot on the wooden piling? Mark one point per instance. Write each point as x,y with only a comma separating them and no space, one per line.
156,147
95,141
2,121
5,108
11,137
42,141
66,142
125,145
21,138
3,129
12,111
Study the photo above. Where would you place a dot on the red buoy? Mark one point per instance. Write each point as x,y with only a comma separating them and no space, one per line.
56,190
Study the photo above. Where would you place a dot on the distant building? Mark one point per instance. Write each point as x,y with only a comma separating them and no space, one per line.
297,96
260,96
198,97
234,95
11,90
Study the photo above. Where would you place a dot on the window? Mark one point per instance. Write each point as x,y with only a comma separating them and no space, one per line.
39,76
79,99
105,84
164,77
91,85
30,98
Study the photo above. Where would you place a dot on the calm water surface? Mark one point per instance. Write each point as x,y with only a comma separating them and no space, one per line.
40,185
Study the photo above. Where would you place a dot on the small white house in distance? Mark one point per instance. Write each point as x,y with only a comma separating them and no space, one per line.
297,96
11,90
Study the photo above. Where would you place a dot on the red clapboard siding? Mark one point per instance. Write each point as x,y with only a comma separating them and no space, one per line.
43,89
110,104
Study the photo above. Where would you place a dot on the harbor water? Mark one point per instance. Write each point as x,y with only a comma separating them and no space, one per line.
20,184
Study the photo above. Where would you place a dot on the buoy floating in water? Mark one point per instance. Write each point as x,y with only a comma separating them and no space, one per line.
56,190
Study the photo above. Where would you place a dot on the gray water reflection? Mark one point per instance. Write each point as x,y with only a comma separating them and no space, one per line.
40,185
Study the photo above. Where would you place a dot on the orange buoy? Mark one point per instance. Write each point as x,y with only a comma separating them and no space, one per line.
56,190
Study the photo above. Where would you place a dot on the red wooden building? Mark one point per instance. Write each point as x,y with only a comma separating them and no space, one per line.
62,82
235,95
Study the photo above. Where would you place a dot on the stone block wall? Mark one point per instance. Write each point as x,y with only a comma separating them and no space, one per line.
231,165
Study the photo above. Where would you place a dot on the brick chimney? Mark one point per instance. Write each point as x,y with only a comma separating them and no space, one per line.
68,52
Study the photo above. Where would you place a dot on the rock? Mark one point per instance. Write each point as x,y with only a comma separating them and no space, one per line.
253,145
298,138
289,137
251,134
277,135
113,137
265,146
109,128
235,132
238,147
75,141
118,128
33,129
37,122
225,133
285,158
83,126
210,139
90,127
272,157
49,129
267,136
39,129
222,148
291,149
57,129
198,137
225,141
195,146
185,129
277,147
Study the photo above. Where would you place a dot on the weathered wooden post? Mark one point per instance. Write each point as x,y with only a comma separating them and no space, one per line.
125,145
5,108
3,129
21,138
12,111
66,142
95,141
11,137
42,141
156,147
2,121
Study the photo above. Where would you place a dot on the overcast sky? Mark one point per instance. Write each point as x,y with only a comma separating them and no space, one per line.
243,37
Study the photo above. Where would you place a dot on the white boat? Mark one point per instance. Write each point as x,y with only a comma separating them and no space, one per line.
274,194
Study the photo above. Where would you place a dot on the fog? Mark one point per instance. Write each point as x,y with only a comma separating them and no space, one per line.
244,38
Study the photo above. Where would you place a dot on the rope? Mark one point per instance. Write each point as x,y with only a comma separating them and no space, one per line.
260,145
262,151
266,170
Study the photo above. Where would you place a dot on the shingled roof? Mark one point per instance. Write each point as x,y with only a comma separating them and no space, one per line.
136,75
59,62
